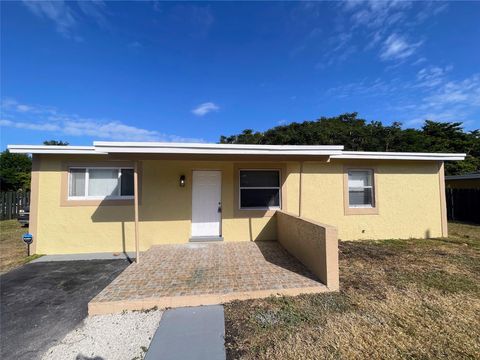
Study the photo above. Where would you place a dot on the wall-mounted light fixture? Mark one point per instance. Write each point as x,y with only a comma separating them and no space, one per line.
182,180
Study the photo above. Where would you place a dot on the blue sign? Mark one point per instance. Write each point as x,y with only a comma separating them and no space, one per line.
27,238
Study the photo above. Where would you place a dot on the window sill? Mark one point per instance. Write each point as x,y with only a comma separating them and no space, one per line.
98,198
260,209
97,202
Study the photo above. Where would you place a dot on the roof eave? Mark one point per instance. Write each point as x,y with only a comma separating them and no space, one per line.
53,149
358,155
334,151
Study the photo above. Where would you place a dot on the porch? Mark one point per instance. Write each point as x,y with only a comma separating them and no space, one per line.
206,273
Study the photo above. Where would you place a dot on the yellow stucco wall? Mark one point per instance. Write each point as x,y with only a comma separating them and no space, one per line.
408,197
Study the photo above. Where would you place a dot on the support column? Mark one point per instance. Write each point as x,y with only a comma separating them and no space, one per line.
135,196
300,190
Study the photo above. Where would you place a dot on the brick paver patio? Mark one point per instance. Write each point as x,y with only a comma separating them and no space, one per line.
203,274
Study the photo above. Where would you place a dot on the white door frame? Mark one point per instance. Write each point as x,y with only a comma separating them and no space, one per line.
220,201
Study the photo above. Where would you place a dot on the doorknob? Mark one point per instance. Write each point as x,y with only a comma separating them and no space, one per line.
219,207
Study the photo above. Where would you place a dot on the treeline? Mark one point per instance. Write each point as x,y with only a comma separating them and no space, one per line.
15,168
359,135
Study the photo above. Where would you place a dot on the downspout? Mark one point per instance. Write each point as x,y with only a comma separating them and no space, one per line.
135,197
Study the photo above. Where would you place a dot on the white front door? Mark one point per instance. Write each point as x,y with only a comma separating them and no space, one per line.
206,203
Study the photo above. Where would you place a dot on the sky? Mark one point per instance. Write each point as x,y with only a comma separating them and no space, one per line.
192,71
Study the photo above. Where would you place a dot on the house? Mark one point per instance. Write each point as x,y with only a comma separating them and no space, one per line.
466,181
463,197
126,196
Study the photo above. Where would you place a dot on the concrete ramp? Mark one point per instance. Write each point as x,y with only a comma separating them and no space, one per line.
190,333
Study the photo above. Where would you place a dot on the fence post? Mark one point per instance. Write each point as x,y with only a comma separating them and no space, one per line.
452,204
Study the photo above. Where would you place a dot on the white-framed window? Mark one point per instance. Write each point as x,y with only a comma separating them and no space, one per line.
259,189
97,183
361,188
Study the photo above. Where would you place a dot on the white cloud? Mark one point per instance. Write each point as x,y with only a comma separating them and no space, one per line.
57,11
448,100
376,14
432,94
362,26
205,108
23,108
419,61
364,88
397,47
65,17
49,119
29,126
95,9
466,92
432,76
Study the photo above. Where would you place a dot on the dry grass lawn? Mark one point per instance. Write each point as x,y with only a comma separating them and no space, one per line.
399,299
13,251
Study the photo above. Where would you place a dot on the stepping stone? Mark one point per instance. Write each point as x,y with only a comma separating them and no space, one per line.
190,333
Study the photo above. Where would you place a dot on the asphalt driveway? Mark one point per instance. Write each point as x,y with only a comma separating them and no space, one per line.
41,302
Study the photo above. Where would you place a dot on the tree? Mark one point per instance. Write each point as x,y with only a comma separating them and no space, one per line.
359,135
14,171
55,142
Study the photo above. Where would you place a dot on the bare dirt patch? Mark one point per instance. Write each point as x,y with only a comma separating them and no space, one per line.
399,299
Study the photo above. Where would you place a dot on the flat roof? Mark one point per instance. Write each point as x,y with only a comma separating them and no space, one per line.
332,151
463,177
204,148
374,155
51,149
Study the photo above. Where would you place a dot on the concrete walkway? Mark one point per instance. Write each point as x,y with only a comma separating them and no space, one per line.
191,333
87,256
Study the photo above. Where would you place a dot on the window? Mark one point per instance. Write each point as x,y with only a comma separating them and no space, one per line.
260,189
360,189
100,183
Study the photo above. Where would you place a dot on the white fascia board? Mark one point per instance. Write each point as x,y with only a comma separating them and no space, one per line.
371,155
463,177
215,149
121,144
52,149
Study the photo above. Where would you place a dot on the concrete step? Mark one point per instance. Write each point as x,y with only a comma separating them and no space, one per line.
190,333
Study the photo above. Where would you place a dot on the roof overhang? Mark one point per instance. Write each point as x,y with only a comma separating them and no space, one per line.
463,177
290,151
52,149
214,149
373,155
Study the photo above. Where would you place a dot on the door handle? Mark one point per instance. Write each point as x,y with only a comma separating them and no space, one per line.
219,207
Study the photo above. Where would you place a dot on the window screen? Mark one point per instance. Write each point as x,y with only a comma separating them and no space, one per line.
103,182
259,189
360,188
77,182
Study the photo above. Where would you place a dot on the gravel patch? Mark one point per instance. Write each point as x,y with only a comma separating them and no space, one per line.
102,337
